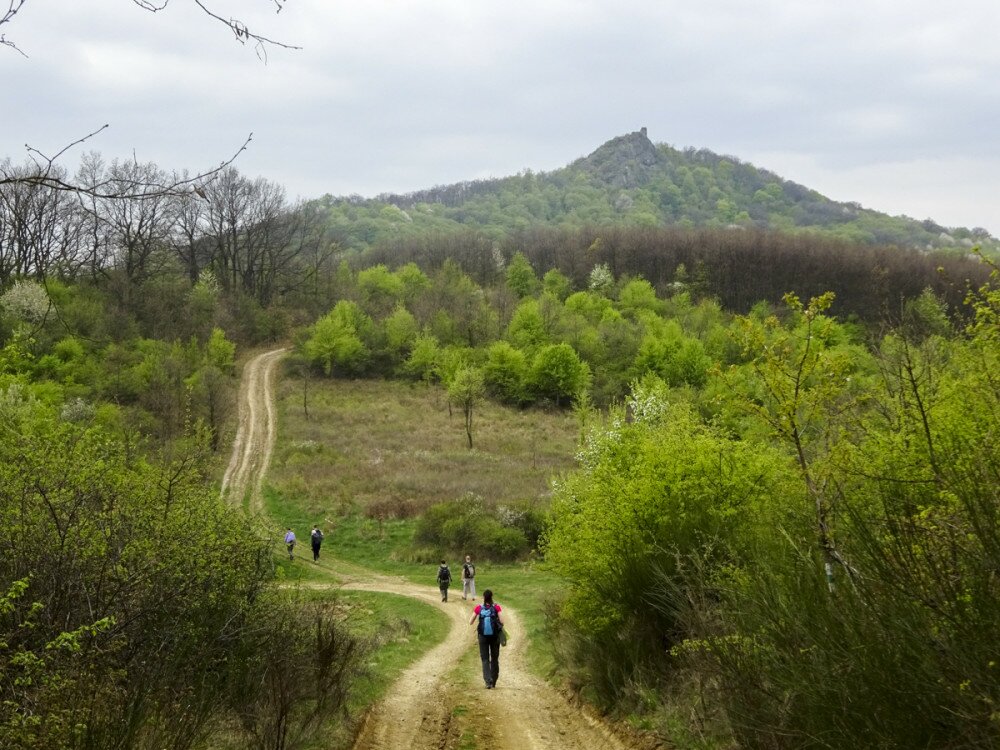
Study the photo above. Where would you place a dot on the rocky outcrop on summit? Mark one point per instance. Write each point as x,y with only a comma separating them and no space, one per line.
628,161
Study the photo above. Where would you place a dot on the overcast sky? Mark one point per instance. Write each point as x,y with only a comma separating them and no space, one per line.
891,103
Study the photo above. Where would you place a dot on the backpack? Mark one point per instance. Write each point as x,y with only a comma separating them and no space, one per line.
468,570
444,575
488,622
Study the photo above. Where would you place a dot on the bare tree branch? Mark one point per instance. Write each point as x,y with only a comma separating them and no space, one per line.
136,189
13,7
240,30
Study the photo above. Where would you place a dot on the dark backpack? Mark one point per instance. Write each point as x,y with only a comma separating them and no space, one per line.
444,575
488,622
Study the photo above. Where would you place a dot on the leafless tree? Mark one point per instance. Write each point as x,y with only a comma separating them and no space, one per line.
187,236
34,231
251,228
137,228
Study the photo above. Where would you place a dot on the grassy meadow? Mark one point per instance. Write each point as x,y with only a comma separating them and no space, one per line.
394,448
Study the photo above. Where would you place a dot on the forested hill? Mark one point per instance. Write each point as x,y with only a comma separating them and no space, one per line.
632,181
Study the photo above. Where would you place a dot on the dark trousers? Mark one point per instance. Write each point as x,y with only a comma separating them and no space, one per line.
315,551
489,653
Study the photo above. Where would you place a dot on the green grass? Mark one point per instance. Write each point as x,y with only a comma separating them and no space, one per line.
395,445
400,628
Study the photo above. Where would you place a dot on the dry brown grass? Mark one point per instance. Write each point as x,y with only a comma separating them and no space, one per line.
393,447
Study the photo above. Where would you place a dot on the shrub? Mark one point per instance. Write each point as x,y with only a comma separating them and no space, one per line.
662,497
465,525
128,587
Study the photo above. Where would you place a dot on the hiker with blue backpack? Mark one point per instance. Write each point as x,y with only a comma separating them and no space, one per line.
489,630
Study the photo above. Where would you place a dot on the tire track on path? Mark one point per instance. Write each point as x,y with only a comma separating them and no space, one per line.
430,703
256,433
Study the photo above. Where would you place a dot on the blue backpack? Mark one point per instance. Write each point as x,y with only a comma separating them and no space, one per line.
488,624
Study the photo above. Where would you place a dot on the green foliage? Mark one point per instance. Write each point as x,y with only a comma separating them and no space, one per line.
128,586
423,362
335,344
800,382
593,307
466,388
220,352
505,373
674,357
521,278
400,330
652,498
527,329
556,284
919,531
558,374
467,526
414,281
637,295
669,187
380,290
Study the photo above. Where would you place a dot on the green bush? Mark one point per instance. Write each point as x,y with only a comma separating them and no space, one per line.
502,543
127,587
660,504
467,527
909,628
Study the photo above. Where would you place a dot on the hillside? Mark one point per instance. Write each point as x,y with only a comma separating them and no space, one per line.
631,181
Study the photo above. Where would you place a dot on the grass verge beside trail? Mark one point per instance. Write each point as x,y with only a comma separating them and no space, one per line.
396,630
401,630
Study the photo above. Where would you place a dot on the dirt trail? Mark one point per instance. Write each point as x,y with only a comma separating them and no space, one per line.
440,702
256,433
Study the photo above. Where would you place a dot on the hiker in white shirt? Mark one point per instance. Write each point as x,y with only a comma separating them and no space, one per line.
468,578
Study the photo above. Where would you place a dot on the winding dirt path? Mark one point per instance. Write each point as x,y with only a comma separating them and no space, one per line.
439,702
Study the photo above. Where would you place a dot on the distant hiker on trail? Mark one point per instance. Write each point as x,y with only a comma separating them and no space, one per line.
444,580
468,578
317,539
290,543
489,629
